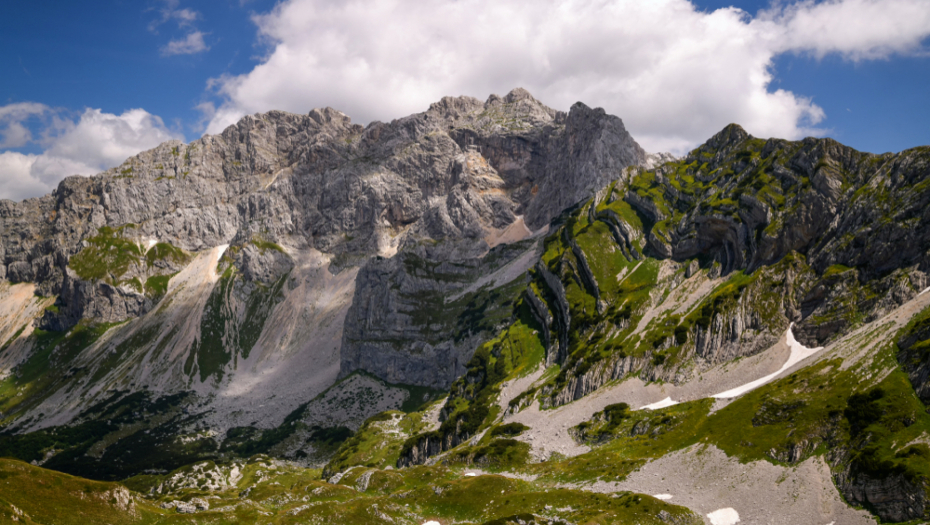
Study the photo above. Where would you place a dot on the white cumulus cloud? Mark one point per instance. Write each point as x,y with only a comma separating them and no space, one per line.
190,45
169,11
856,29
675,74
16,181
13,133
93,143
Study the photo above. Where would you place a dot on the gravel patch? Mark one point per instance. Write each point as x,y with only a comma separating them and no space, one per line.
513,388
707,481
297,355
19,306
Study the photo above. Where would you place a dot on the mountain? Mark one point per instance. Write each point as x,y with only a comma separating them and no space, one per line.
486,285
214,279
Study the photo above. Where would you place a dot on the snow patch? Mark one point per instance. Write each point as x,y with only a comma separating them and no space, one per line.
924,291
663,497
470,474
217,255
665,403
432,523
799,353
727,516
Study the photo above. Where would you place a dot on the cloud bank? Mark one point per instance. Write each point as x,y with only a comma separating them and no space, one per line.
93,143
675,74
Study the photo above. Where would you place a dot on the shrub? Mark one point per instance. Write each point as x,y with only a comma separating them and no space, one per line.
510,429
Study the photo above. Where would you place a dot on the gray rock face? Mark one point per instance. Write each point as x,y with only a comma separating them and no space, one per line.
624,234
93,300
915,359
420,451
417,318
893,498
459,170
564,160
560,310
542,315
262,264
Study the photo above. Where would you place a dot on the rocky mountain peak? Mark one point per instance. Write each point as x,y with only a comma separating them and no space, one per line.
518,94
452,108
722,142
329,115
731,134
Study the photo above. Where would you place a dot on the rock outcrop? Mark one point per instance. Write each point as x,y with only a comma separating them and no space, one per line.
418,317
99,301
770,197
914,357
894,498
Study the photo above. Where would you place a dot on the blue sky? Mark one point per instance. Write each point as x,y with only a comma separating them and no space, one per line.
85,85
106,55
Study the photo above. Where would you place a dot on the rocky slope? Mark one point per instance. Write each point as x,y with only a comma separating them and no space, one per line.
417,318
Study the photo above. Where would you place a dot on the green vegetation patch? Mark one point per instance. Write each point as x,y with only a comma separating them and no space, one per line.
46,496
509,430
110,255
157,286
499,453
107,256
120,436
835,269
45,368
264,245
472,403
378,442
166,252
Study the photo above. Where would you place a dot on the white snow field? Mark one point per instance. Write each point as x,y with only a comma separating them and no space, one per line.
799,353
726,516
665,403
